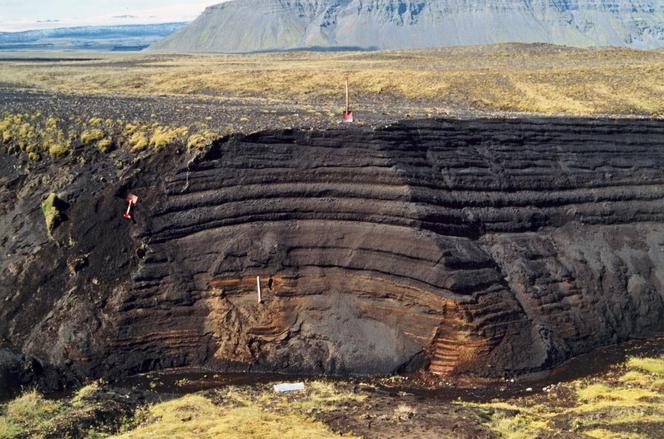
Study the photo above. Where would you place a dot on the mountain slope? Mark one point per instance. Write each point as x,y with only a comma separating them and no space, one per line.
124,37
256,25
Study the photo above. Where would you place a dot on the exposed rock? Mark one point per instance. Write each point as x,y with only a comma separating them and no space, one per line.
257,25
485,247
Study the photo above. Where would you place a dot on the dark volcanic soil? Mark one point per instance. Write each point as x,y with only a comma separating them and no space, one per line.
483,248
222,114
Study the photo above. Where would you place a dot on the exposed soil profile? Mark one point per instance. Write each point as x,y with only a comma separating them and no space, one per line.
467,248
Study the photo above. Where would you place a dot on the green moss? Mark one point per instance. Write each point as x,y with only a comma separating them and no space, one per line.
52,213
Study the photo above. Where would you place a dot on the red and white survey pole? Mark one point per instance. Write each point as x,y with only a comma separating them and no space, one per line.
348,115
132,200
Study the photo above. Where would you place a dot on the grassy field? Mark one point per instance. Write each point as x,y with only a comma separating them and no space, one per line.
625,402
504,78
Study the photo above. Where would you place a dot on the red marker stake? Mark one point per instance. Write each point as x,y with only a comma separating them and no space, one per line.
132,200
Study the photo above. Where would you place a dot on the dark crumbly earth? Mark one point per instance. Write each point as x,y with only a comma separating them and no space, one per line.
479,247
222,114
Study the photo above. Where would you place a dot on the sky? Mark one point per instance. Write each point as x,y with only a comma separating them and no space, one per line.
18,15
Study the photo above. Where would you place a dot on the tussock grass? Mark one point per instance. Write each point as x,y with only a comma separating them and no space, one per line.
91,136
163,136
201,140
40,137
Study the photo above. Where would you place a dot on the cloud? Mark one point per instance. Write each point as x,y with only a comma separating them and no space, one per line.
41,14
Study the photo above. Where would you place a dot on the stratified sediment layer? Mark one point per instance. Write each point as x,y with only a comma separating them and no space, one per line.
465,247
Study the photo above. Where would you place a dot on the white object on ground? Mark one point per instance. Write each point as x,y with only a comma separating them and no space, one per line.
288,387
258,286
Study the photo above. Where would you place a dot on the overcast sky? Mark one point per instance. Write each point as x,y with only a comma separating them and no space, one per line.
16,15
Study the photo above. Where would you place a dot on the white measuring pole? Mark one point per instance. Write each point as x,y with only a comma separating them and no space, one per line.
347,96
258,287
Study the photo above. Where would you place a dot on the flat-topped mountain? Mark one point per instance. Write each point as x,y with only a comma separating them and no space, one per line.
261,25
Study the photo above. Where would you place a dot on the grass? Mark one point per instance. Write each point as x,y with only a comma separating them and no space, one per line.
653,366
91,136
85,392
511,77
230,412
623,403
246,412
9,429
519,426
607,434
39,136
606,407
201,140
163,136
139,141
27,414
195,416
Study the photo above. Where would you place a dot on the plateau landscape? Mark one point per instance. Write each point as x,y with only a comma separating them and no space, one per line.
343,218
260,25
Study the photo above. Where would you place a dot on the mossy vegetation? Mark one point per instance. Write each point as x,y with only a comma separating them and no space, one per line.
616,404
653,366
163,136
201,140
40,137
197,416
28,414
230,412
138,141
88,137
612,406
52,209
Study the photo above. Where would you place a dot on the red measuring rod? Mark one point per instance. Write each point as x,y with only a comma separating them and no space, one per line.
132,200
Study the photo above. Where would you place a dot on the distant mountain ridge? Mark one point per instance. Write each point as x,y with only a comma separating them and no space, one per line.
261,25
118,37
